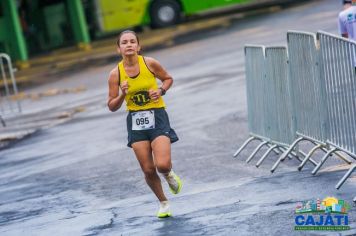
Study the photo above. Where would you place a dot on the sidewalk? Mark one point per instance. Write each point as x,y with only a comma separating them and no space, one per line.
72,59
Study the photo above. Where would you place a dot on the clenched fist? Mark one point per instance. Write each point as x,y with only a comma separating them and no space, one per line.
125,87
154,94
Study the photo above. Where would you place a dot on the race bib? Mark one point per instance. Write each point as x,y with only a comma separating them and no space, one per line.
143,120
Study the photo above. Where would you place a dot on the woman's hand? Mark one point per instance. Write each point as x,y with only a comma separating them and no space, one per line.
125,87
154,94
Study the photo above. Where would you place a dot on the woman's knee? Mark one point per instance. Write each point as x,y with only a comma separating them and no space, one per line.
163,167
149,172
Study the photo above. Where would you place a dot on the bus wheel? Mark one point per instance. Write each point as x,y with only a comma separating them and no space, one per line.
165,13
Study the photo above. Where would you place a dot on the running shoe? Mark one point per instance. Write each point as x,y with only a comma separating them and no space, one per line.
164,210
174,182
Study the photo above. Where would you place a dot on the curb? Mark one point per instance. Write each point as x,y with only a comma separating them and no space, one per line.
7,140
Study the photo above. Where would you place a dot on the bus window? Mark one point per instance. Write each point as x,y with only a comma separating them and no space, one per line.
127,13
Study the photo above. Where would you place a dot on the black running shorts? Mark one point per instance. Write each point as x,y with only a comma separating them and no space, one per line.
162,127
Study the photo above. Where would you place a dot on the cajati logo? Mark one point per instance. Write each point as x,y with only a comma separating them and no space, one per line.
328,214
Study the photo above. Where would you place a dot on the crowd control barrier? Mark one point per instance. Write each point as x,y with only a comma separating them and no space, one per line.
338,60
8,88
269,108
307,94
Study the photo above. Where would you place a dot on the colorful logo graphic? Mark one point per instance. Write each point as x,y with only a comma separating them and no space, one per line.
349,17
327,214
141,98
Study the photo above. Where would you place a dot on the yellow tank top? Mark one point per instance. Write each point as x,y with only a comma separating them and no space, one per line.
137,97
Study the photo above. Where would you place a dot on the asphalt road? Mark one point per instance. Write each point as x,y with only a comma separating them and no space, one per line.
79,178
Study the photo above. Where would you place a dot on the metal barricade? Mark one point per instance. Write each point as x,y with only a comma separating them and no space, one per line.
278,96
255,78
307,95
338,60
313,98
8,88
268,100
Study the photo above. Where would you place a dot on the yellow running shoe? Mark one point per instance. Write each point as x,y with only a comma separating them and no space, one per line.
174,182
164,210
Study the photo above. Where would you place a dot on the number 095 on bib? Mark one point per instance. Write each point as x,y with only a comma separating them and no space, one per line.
143,120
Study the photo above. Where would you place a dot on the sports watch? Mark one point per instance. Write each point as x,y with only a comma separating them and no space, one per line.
163,91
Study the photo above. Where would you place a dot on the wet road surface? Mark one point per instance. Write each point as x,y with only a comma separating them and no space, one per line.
79,178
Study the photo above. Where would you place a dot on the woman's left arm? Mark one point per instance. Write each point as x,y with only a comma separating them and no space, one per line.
156,68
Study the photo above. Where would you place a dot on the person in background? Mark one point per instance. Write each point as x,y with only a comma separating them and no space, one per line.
347,20
347,27
347,23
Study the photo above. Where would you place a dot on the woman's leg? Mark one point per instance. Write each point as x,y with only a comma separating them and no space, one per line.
161,147
143,154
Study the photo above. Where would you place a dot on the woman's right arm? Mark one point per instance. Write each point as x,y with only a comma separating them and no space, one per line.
115,99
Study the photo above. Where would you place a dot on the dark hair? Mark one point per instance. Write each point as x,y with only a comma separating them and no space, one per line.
347,1
126,32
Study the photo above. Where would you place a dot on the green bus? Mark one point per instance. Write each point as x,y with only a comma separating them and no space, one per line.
44,25
112,16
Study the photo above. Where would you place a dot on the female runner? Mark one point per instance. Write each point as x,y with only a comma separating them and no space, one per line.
149,132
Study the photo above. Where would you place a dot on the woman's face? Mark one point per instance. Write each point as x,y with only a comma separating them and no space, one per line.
128,45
